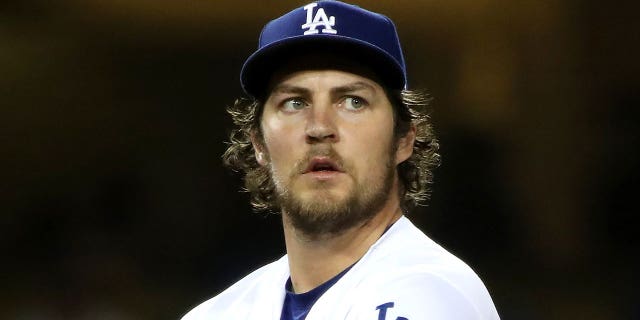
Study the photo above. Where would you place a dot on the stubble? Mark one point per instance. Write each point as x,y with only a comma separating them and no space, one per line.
323,213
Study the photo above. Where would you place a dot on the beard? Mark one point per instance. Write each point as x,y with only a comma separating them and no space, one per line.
326,214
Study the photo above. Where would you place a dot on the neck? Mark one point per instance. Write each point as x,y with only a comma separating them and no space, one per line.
313,261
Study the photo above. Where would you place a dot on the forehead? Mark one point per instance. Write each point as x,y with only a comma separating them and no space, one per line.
315,63
334,81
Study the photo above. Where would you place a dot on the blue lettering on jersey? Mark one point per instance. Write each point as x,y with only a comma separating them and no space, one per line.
382,311
382,315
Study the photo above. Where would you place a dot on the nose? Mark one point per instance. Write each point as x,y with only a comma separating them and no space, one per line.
321,124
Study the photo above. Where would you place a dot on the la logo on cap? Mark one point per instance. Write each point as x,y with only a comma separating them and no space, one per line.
320,19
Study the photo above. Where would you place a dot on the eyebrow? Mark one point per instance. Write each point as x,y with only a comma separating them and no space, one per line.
351,87
355,86
285,88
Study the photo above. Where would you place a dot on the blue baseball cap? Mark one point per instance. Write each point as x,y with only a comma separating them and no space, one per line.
327,26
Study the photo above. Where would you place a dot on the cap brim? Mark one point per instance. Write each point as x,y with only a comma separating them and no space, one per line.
260,66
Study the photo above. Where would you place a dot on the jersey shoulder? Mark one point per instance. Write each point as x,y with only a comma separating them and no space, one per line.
407,275
235,299
424,295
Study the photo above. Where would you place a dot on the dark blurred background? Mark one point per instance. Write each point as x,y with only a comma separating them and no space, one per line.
115,204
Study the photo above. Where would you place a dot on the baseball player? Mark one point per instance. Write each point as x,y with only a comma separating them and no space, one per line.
333,140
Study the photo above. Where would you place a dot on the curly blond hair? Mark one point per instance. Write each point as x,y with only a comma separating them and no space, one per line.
415,174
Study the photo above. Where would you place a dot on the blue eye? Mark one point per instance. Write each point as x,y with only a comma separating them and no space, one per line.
293,104
354,103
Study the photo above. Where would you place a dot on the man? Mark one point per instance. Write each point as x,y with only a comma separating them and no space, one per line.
332,139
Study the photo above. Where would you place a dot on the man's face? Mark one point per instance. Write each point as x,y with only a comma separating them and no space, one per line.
329,144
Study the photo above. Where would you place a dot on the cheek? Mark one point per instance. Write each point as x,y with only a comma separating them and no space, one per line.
280,141
370,147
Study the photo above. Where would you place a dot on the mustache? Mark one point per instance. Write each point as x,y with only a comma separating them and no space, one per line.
301,165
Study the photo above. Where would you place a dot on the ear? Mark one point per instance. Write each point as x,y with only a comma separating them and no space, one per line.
405,145
259,149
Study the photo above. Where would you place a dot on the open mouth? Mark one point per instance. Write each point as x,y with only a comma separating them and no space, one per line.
322,164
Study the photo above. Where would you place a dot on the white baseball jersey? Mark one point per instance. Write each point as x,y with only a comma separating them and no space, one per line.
403,276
